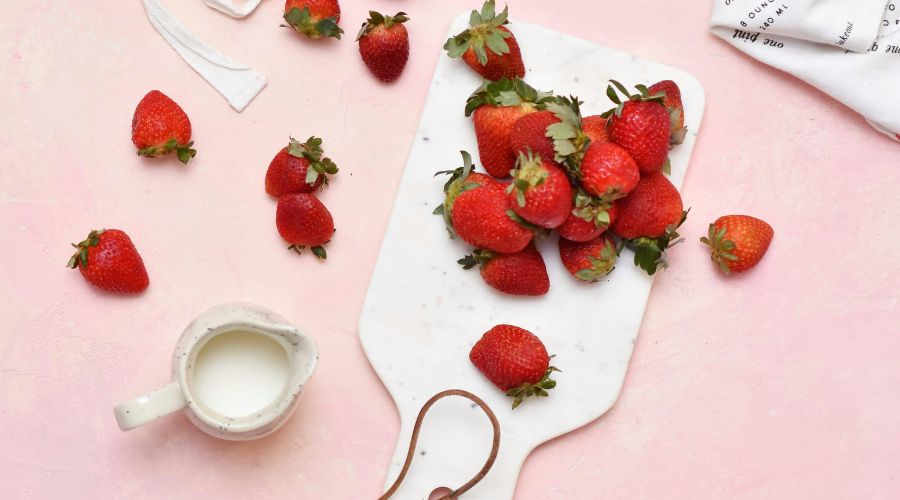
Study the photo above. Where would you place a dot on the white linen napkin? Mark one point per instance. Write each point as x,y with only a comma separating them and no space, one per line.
238,83
849,49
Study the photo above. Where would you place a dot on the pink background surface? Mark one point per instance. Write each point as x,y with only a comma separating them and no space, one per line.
781,383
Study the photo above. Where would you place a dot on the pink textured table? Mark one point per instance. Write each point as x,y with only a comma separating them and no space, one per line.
781,383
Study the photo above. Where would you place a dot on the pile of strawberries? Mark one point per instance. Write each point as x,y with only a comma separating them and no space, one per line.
600,181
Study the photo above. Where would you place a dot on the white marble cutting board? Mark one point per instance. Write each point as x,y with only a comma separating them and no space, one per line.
423,312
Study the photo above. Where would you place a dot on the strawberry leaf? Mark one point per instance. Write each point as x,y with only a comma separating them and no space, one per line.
319,252
650,253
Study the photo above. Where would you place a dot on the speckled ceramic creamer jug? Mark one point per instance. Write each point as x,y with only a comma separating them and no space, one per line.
237,372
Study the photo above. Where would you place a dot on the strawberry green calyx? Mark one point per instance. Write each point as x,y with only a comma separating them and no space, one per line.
529,173
642,95
312,151
453,187
538,389
479,257
506,92
650,253
600,266
376,19
592,209
81,253
569,140
722,248
302,21
484,34
318,251
183,151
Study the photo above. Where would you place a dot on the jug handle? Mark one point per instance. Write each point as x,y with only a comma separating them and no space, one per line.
149,407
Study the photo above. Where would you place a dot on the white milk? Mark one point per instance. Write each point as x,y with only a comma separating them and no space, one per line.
239,373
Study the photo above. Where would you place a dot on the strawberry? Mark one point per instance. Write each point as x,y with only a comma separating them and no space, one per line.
650,208
672,102
608,171
160,127
314,18
459,177
641,125
738,242
479,213
594,127
529,133
591,260
522,273
649,217
487,46
384,45
299,168
109,261
496,107
515,361
540,191
590,218
303,221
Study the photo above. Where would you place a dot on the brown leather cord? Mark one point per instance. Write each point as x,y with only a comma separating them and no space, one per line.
495,446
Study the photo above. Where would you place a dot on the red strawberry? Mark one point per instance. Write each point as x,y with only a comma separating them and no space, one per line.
299,168
384,45
522,273
303,221
515,361
478,212
641,125
590,218
672,102
459,177
481,217
540,192
109,261
649,217
497,106
529,133
608,171
738,242
595,128
487,46
314,18
652,206
160,127
590,260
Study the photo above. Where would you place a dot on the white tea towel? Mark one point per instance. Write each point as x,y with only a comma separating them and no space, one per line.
228,7
849,49
238,83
